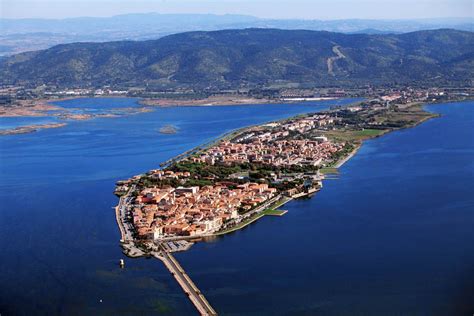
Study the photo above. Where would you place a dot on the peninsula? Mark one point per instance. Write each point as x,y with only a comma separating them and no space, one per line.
212,190
247,174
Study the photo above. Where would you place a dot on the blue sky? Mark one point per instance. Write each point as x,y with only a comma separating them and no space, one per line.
305,9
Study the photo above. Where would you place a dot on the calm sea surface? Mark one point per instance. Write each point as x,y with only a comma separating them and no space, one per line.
13,122
394,235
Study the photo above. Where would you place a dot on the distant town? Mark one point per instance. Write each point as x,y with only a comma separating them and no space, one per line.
12,95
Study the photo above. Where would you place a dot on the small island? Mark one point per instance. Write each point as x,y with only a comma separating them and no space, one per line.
168,129
29,128
45,108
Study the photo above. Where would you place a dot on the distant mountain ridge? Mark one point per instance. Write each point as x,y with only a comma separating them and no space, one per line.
250,57
19,35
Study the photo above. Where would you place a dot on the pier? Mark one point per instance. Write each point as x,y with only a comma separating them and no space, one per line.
188,286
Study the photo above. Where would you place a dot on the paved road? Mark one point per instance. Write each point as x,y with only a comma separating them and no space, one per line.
125,228
194,294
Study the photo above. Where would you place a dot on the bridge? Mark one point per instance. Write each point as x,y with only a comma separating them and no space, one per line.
191,290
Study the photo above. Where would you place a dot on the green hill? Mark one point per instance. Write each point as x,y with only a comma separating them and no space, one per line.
233,58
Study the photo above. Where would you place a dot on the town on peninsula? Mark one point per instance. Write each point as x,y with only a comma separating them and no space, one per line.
225,185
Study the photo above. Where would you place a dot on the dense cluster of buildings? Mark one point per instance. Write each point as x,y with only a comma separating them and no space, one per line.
174,208
10,94
273,144
167,211
194,211
284,153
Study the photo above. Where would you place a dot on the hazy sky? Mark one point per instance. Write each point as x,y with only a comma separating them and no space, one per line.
306,9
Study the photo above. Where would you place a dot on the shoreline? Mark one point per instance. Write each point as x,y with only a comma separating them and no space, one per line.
135,247
251,220
343,160
339,163
336,166
34,107
29,128
40,107
225,101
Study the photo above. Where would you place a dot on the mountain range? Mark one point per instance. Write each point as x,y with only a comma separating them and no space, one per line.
19,35
253,57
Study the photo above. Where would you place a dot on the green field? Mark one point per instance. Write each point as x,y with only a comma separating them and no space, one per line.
273,212
369,132
241,224
329,170
346,135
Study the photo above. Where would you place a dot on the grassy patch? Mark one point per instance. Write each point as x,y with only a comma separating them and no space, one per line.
369,133
241,224
403,117
273,212
279,203
329,170
347,135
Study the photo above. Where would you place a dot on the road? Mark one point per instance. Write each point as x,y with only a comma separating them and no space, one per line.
188,286
121,213
332,60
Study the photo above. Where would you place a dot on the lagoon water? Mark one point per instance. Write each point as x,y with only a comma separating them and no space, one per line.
392,236
14,122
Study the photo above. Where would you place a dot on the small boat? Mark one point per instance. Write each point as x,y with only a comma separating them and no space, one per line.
122,263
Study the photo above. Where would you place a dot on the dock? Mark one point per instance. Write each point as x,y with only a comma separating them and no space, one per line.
188,286
177,245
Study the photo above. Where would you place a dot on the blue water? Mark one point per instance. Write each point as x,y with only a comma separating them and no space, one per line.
392,236
58,236
91,106
13,122
96,105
